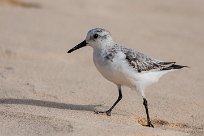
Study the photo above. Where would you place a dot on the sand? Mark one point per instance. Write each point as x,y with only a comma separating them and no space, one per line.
45,91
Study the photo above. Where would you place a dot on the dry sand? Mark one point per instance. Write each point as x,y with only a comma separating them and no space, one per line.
45,91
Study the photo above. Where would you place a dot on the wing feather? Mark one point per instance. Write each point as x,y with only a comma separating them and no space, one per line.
139,61
142,62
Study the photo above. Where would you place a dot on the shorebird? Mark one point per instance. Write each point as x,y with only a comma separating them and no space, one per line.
124,66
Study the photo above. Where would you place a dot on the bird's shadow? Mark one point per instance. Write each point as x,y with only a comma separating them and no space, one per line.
49,104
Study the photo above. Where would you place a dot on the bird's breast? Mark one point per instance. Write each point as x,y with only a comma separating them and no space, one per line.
111,67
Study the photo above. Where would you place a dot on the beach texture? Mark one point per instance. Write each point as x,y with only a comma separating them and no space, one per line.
45,91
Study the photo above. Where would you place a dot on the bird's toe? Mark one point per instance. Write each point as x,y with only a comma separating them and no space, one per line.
108,113
150,125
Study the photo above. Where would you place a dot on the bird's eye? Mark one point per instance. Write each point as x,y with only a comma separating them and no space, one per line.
95,36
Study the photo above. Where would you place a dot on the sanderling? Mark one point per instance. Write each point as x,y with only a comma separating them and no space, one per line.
124,66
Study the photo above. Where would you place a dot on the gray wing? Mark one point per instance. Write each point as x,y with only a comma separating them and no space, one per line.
141,62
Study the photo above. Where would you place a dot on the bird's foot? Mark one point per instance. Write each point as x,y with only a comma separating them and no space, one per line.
108,112
149,124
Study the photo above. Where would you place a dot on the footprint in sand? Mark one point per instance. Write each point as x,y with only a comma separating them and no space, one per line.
176,126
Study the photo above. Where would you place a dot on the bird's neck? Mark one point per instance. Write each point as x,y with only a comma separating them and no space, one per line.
104,45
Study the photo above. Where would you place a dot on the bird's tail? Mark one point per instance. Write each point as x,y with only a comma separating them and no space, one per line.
178,66
172,65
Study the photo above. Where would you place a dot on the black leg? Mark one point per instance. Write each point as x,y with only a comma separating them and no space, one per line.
149,124
108,112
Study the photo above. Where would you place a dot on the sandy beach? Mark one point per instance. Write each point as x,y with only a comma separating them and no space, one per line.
45,91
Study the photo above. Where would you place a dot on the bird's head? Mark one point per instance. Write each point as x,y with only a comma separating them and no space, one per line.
96,38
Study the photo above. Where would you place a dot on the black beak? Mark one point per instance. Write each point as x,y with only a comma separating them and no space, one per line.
82,44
